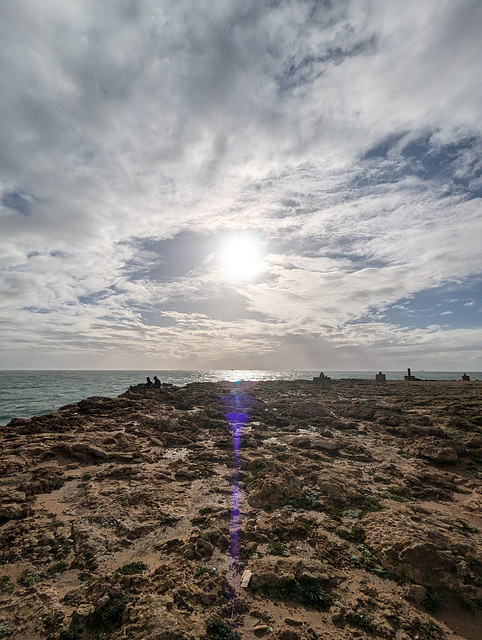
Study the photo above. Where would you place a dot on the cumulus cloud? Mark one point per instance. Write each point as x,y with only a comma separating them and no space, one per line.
136,136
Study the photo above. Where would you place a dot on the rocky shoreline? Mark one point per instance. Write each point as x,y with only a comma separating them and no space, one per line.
359,514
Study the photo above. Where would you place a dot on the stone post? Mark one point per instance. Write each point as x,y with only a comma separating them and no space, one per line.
324,382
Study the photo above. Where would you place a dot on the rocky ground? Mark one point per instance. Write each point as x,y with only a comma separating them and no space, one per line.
360,514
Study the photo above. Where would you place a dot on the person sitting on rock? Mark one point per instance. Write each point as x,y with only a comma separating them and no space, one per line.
157,383
148,383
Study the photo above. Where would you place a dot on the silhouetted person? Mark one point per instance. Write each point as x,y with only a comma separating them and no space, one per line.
157,383
148,383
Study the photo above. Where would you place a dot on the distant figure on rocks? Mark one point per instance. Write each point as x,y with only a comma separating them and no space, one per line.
157,383
148,383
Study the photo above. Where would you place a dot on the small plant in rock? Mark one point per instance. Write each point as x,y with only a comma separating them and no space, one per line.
429,630
432,601
368,504
57,482
335,513
277,548
74,632
109,614
56,569
5,630
132,568
6,585
218,629
367,560
309,500
307,591
27,579
360,620
356,534
200,571
466,526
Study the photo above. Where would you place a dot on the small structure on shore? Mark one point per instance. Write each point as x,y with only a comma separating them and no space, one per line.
465,378
322,381
380,377
410,378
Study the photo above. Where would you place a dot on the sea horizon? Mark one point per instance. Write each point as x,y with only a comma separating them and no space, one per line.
25,393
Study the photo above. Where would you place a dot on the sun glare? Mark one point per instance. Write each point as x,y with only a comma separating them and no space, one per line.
241,258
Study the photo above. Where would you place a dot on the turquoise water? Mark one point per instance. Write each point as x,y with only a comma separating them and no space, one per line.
24,394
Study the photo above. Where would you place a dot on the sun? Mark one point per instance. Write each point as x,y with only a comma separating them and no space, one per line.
241,258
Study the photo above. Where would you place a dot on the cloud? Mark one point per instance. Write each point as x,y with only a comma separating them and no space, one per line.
137,136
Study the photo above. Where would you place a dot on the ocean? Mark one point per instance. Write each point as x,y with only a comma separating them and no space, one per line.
24,394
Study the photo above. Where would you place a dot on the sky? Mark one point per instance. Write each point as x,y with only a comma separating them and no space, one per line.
267,184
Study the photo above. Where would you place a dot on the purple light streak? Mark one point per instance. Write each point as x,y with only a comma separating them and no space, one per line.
237,406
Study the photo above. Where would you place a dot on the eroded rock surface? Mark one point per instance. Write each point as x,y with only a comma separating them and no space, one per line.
359,514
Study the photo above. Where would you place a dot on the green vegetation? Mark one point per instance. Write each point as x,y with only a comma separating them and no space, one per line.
368,504
5,630
356,534
205,511
306,591
277,548
200,571
57,482
6,585
466,526
56,569
218,629
429,630
132,568
109,614
360,620
367,560
27,579
334,513
74,632
309,500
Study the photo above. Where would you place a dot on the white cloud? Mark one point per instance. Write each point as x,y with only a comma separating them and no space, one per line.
125,120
